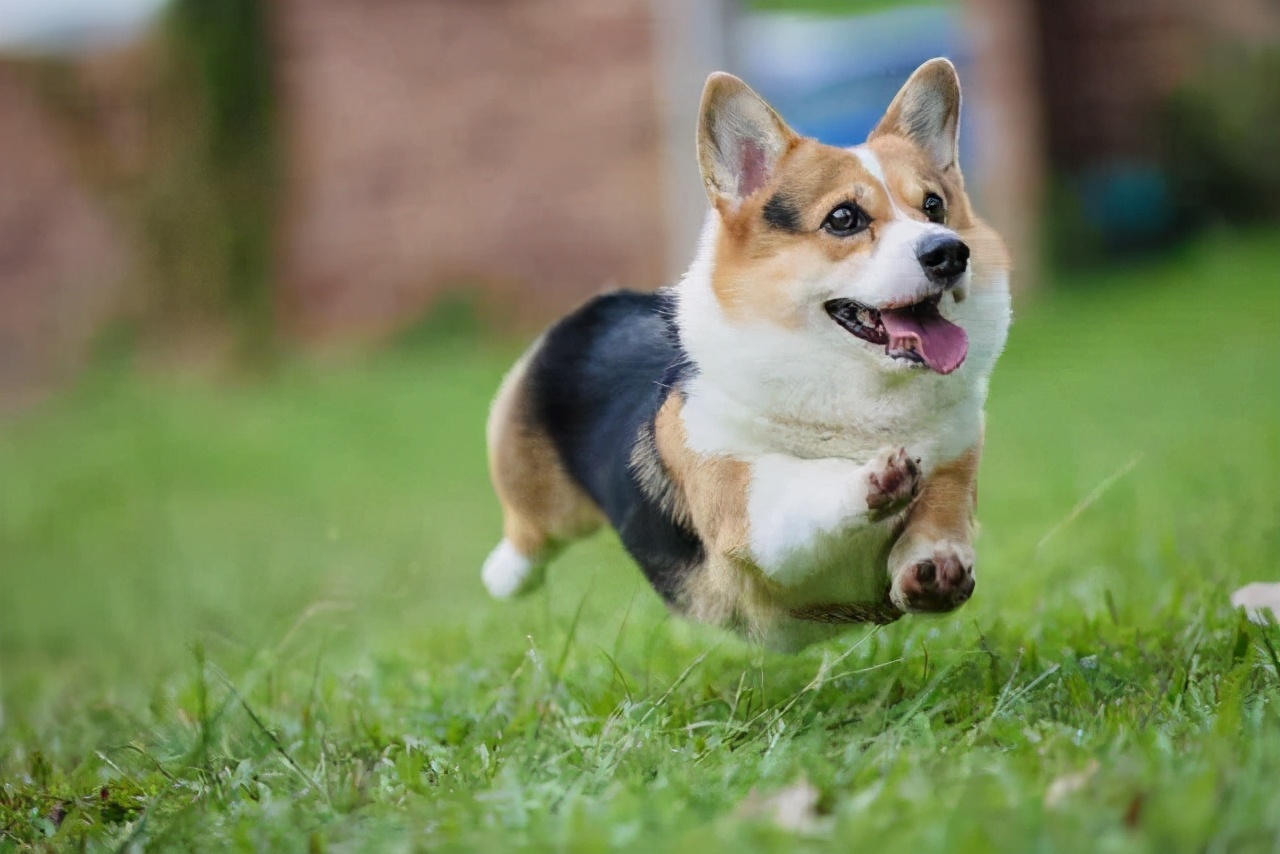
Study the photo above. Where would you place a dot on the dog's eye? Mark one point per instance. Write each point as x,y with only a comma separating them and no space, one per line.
846,220
934,208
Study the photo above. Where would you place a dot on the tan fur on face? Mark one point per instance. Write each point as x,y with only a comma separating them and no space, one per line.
760,268
542,507
910,175
758,263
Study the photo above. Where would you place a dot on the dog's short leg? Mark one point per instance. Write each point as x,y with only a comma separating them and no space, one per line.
543,508
932,563
796,504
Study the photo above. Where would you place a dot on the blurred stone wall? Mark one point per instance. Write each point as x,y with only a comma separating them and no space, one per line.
445,144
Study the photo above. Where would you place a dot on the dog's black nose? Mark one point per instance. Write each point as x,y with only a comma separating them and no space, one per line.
943,257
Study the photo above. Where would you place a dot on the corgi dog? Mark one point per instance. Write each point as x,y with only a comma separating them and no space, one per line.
787,441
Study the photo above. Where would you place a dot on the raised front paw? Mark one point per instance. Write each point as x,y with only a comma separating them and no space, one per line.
892,483
939,581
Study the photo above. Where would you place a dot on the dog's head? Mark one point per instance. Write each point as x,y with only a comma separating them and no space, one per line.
871,252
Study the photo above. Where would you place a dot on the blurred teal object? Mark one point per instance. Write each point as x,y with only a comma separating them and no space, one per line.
1127,204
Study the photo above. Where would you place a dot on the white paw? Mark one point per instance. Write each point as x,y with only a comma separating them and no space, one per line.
507,573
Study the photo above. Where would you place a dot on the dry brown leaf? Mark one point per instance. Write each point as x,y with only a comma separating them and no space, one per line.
1068,784
794,808
1133,814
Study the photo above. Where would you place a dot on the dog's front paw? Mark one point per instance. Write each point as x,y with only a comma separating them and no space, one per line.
939,581
892,483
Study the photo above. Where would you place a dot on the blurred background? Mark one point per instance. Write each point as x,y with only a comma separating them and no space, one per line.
263,262
204,180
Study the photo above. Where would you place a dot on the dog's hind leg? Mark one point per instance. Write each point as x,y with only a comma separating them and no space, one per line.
543,509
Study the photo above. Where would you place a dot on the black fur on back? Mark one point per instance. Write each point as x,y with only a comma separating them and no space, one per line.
594,386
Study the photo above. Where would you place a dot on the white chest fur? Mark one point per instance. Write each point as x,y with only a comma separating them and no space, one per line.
838,417
808,510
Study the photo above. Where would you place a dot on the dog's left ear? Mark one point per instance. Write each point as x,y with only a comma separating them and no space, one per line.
741,140
926,111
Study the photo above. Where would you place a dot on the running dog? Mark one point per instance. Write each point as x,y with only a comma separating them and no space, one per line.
787,441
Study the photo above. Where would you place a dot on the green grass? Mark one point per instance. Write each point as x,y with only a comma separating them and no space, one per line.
248,617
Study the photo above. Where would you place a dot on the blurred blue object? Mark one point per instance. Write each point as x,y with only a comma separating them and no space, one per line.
1127,203
832,77
68,26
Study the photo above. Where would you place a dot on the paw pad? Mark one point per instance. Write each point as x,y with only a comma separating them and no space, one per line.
893,485
939,583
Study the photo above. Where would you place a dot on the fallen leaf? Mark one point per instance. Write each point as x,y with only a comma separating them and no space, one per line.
1257,599
794,808
1133,814
1068,784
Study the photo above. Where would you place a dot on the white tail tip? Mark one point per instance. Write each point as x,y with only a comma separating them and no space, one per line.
507,573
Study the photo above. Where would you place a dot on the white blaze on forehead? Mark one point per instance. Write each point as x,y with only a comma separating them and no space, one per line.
871,163
892,273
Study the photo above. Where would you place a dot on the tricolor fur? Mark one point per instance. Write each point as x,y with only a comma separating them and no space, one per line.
788,441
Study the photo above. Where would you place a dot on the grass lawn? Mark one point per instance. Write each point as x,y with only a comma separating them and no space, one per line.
249,617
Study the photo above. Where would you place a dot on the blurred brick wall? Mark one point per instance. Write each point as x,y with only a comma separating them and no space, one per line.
432,144
1107,66
62,258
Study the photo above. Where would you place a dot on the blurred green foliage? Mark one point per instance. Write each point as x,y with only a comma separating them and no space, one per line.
222,51
229,45
196,186
454,317
1222,136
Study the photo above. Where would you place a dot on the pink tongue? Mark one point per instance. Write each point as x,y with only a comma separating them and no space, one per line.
939,342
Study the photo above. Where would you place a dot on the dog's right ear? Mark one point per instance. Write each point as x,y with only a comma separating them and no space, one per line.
927,111
740,141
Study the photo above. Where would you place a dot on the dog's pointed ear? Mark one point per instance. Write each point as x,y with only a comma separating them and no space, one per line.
926,111
741,140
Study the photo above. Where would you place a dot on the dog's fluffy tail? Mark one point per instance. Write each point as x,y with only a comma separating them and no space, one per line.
507,573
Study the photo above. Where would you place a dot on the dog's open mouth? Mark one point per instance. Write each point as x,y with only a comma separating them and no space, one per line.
916,333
